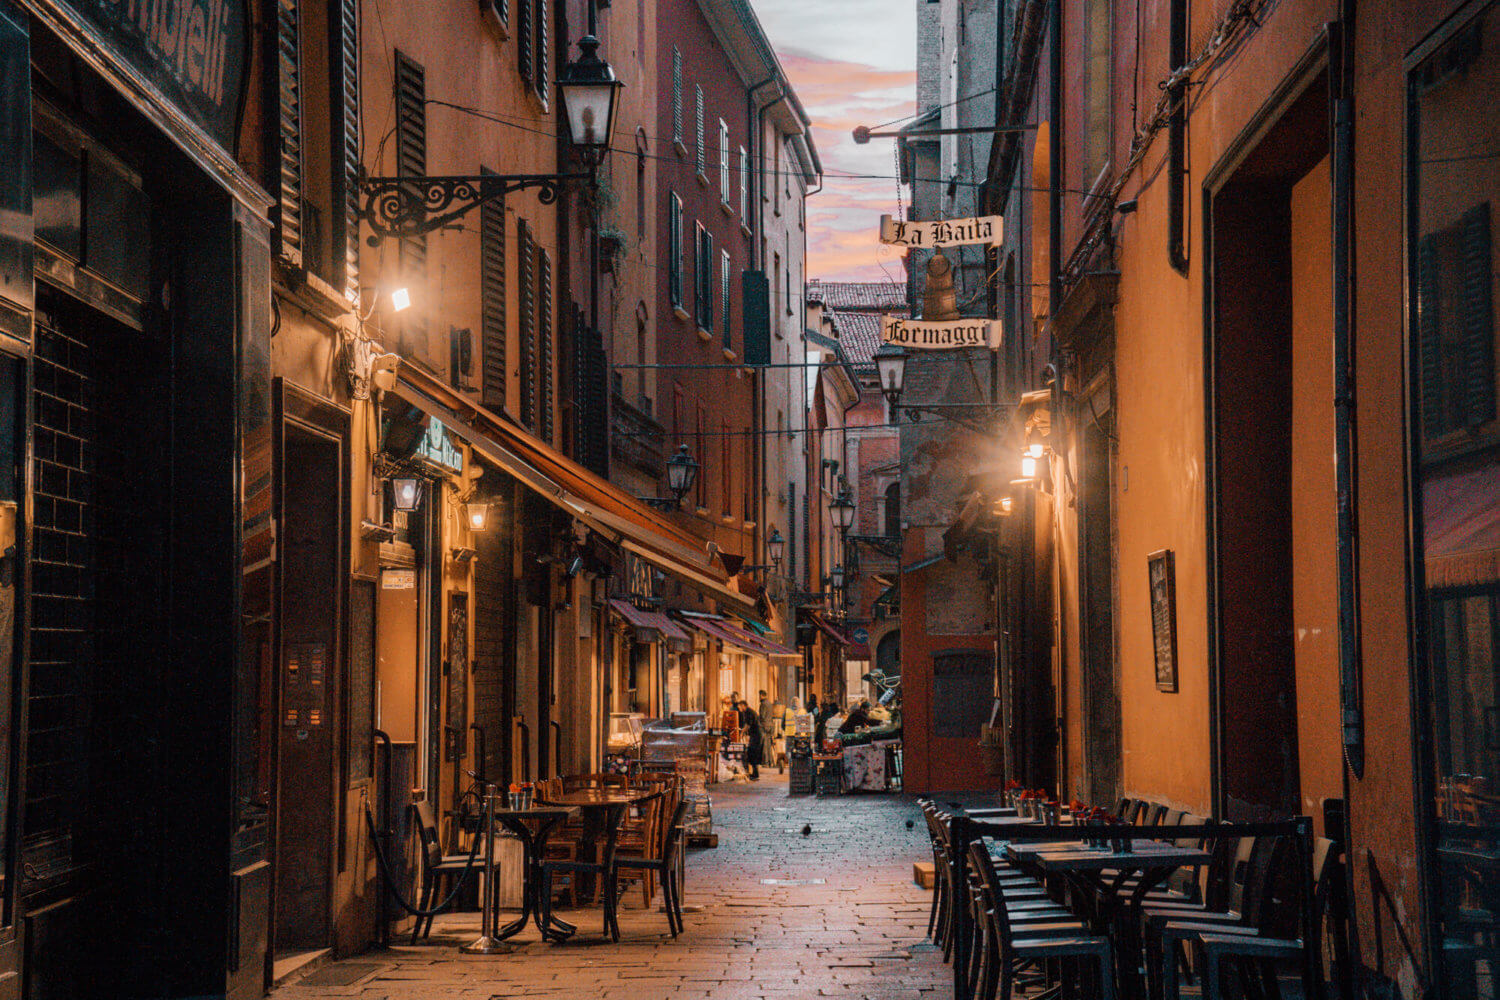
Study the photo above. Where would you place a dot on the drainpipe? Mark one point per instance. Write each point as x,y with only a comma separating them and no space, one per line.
755,121
1054,299
1177,44
1351,695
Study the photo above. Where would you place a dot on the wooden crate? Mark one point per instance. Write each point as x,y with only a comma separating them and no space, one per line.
924,874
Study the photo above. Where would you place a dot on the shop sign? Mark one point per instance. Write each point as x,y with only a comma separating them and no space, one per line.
941,232
193,51
398,579
940,335
437,449
640,579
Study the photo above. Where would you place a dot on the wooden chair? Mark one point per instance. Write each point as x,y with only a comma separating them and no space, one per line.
437,868
664,865
641,836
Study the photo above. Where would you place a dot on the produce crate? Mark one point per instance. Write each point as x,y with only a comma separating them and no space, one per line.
801,778
830,780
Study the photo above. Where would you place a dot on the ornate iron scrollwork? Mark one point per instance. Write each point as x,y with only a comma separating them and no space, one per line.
404,207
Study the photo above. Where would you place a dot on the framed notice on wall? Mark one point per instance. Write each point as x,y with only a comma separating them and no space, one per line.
1162,570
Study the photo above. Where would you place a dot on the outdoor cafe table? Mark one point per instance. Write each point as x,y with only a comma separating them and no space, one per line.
603,809
1103,873
532,827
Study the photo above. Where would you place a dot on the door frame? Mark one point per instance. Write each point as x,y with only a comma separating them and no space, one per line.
11,946
307,412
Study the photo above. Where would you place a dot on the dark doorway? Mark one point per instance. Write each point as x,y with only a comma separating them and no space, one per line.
888,655
1101,684
1258,417
309,695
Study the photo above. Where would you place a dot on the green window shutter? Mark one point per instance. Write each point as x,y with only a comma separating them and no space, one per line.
674,249
676,94
755,317
546,381
526,249
411,161
1477,319
724,268
289,130
345,78
543,57
525,29
492,303
707,273
1429,334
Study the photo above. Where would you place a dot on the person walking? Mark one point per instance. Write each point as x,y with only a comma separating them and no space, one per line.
781,724
767,729
754,743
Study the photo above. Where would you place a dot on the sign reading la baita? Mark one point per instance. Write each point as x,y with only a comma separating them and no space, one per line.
193,51
940,335
941,232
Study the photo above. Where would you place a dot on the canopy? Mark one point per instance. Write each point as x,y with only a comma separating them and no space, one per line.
601,505
737,637
1462,527
648,625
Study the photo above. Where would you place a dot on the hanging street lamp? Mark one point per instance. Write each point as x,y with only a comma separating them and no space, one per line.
890,361
590,97
776,548
682,472
841,509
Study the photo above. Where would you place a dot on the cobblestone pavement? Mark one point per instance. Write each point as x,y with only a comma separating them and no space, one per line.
859,933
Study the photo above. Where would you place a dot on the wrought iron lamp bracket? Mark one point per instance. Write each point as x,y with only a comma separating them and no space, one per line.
408,207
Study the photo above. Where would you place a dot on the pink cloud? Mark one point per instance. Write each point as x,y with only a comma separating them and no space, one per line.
859,181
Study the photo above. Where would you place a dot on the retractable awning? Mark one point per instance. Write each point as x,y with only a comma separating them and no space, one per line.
648,625
737,637
601,505
827,629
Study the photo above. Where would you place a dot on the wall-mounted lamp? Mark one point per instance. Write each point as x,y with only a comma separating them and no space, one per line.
776,548
477,515
1004,506
1028,466
400,299
406,493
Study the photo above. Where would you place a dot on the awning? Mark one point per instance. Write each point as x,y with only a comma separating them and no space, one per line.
827,629
923,564
649,626
737,637
1462,529
601,505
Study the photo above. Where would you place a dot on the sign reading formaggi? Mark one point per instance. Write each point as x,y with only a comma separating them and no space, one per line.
193,51
941,232
940,335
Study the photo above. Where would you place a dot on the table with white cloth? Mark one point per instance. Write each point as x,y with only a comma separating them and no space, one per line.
865,766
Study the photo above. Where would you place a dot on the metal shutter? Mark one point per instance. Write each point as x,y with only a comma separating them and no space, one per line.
492,302
289,130
345,76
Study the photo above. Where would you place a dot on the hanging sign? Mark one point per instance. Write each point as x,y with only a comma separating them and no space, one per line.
941,232
940,335
437,449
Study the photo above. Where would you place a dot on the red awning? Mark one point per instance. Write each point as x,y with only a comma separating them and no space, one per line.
737,637
648,625
1462,528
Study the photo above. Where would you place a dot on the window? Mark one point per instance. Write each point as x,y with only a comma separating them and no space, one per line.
493,379
1452,190
527,312
674,250
776,274
640,188
744,187
788,286
703,279
700,449
726,472
723,162
724,282
677,98
702,160
776,177
533,22
1096,89
893,509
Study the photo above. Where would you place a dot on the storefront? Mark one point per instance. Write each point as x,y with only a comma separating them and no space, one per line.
134,302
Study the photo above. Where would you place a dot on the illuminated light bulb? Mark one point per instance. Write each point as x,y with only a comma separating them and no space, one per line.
1028,467
1034,449
401,300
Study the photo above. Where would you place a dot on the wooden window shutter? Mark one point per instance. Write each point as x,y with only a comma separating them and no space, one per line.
791,529
493,382
345,81
1429,334
676,95
289,130
1477,319
526,249
411,161
525,30
702,160
674,249
707,277
542,58
591,392
724,269
544,333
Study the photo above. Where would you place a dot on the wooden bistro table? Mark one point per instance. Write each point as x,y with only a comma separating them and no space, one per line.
603,810
533,827
1103,873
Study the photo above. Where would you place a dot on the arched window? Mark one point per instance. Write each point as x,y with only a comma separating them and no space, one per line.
893,508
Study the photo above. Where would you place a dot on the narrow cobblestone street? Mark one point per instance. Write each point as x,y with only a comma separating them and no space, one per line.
842,918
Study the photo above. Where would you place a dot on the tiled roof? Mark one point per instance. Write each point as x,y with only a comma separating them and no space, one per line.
859,334
862,296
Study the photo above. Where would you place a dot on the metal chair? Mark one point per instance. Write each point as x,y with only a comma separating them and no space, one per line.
437,867
665,866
